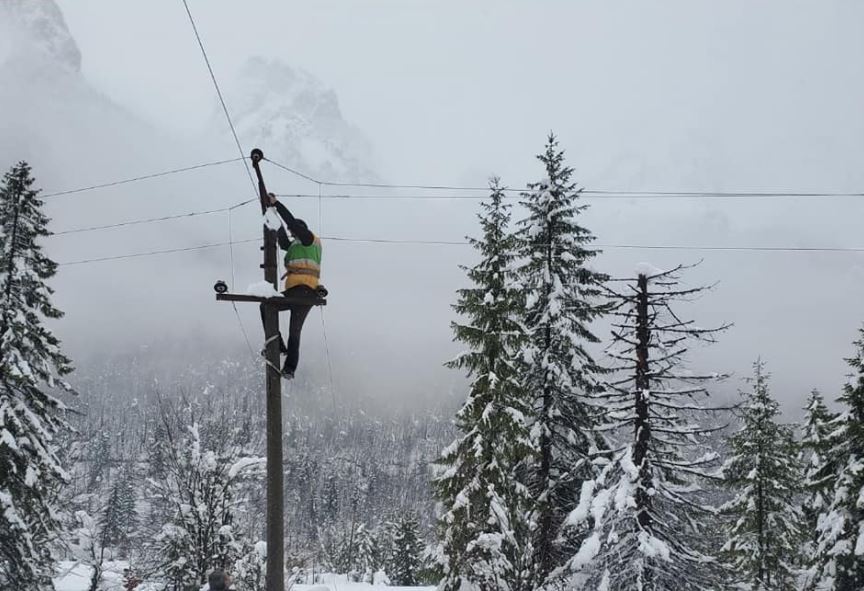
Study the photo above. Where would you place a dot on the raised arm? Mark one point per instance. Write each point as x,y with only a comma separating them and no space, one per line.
295,226
282,238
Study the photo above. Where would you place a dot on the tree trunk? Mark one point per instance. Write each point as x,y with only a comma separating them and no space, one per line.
642,424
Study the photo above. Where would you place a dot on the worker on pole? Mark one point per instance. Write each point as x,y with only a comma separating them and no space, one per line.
302,273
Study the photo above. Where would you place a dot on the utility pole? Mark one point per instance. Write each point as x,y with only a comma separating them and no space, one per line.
275,503
270,308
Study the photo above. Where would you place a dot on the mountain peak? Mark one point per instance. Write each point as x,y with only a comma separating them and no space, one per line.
298,119
34,32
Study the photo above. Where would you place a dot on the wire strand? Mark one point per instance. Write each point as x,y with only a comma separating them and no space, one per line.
596,196
139,178
231,248
608,192
139,222
327,352
605,193
242,155
152,253
245,334
190,214
219,94
786,249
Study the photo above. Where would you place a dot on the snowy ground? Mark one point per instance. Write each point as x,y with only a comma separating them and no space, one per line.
344,586
74,577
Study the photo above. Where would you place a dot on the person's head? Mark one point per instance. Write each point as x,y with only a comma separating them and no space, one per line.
218,580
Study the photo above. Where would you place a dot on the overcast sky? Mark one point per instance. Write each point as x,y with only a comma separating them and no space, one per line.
666,95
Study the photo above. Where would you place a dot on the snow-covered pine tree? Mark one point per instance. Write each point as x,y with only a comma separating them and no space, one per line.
200,485
562,294
119,519
407,552
367,560
384,541
819,466
652,524
764,533
250,569
484,537
31,363
838,563
98,458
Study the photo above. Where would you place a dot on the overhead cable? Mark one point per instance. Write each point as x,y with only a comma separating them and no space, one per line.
778,249
138,178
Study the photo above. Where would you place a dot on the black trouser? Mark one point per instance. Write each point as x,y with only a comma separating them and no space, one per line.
299,312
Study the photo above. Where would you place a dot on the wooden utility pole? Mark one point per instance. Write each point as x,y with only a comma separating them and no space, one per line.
270,314
270,308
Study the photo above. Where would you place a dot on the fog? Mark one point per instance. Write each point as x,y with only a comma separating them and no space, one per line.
669,96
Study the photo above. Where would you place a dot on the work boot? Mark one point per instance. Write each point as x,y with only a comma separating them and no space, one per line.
287,372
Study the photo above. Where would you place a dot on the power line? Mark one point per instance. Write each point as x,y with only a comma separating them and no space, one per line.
242,155
296,172
141,221
291,195
154,252
606,192
191,214
138,178
714,194
594,195
219,94
732,248
390,241
619,246
779,249
327,352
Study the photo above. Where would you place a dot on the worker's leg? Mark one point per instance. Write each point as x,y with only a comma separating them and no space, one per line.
292,356
282,348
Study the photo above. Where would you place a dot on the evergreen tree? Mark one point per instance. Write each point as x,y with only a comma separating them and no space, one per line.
484,539
652,521
819,466
250,570
385,534
201,487
838,563
562,294
407,552
367,560
119,520
763,539
98,455
30,416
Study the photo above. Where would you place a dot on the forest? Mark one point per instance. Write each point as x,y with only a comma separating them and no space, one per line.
584,452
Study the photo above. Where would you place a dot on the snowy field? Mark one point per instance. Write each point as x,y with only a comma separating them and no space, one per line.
76,577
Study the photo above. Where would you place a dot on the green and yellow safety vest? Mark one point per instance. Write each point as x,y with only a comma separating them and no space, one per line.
303,264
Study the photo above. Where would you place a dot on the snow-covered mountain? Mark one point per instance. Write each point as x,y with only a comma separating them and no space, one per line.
297,119
50,114
74,135
34,32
